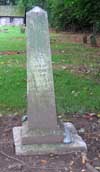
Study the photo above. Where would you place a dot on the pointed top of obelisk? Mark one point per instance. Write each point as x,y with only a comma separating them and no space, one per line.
37,9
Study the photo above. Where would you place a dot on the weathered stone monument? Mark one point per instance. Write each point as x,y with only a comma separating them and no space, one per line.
41,133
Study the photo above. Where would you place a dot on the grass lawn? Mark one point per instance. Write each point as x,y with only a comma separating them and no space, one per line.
12,71
76,73
12,39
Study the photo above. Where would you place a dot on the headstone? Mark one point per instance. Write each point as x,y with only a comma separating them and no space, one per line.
41,133
41,100
22,28
93,41
85,38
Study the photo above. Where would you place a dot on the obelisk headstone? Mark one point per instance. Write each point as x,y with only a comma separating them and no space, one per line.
42,125
41,134
40,88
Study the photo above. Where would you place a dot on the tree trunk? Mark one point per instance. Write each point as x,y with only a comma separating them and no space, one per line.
94,28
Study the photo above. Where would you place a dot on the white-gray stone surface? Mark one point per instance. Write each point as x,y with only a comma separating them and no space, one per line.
40,89
77,145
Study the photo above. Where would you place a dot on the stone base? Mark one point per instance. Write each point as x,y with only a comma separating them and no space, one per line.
73,144
41,136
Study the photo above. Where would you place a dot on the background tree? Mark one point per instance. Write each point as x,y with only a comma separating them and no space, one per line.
74,15
30,3
90,12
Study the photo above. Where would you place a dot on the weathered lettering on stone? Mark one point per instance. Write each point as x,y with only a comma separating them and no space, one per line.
40,88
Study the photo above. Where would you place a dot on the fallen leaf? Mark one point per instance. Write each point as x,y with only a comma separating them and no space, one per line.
89,116
97,168
83,170
51,155
82,130
84,158
66,169
71,163
98,115
43,161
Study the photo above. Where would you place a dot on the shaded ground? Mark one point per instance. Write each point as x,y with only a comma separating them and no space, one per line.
75,38
70,53
88,128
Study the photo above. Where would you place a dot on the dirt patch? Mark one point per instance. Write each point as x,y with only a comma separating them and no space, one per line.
89,129
62,66
81,69
11,52
19,38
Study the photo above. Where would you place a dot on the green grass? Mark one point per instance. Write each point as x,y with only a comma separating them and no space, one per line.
12,60
76,54
12,71
12,87
12,83
12,39
74,92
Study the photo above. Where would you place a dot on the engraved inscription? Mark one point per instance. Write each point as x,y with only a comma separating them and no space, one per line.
40,88
39,75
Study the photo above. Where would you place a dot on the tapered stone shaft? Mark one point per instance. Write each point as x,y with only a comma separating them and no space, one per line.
40,88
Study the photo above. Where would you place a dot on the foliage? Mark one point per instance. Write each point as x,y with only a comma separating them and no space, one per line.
76,13
62,15
30,3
